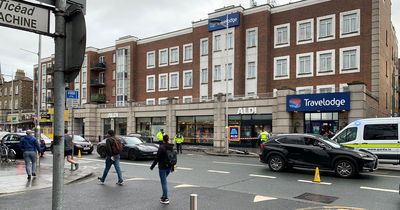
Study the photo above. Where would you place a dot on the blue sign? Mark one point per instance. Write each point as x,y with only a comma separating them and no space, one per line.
72,94
219,23
234,133
318,102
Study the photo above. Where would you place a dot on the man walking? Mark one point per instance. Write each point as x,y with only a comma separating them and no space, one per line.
113,150
68,147
160,136
164,167
178,140
30,146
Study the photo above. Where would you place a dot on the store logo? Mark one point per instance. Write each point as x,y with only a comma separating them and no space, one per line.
295,103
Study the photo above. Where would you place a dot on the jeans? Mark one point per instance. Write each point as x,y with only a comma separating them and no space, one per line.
163,177
179,148
30,162
110,162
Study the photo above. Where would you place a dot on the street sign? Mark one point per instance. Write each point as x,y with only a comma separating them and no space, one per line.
80,3
72,97
25,16
234,133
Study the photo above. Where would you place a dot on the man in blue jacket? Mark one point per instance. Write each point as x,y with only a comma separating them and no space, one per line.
30,146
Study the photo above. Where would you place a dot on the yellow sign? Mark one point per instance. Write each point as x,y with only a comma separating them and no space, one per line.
50,111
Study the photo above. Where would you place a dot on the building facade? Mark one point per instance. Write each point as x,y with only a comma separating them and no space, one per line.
258,59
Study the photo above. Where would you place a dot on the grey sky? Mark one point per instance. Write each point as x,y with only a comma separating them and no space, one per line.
108,20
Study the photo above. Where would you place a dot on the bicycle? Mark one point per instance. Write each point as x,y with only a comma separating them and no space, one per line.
7,154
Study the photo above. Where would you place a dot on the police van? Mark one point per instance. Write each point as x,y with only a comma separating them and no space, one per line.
377,135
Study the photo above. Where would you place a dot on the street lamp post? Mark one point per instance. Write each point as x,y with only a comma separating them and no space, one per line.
12,99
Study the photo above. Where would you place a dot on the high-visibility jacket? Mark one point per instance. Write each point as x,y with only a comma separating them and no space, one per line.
178,140
264,136
160,136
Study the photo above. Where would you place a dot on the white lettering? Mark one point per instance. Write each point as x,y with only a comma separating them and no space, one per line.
248,110
325,102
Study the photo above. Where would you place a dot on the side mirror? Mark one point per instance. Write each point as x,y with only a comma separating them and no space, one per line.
322,145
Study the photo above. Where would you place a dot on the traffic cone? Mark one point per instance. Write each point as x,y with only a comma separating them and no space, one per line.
79,154
316,176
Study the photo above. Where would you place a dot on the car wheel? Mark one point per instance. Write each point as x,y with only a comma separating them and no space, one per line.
132,155
276,163
102,152
345,168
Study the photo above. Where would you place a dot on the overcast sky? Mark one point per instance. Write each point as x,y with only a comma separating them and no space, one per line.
108,20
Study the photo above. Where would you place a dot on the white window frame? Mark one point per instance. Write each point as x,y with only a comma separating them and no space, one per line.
255,30
162,99
114,57
184,79
333,63
170,81
306,41
254,76
187,97
276,44
217,44
16,89
342,86
147,83
202,79
319,87
166,82
150,100
355,70
186,60
229,41
288,67
275,92
171,62
305,88
357,33
202,53
84,91
148,60
220,73
102,59
333,28
159,57
298,56
204,98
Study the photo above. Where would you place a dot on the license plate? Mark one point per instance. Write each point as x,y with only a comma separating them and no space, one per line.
86,148
154,153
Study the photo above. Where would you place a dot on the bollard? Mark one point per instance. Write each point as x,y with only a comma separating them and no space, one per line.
193,201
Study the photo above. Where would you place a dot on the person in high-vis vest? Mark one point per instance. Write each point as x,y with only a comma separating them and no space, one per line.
160,136
178,140
263,136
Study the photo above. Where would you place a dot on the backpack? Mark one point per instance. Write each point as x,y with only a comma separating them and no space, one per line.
171,158
116,146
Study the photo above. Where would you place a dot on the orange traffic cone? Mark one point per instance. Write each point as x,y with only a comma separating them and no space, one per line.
316,176
79,154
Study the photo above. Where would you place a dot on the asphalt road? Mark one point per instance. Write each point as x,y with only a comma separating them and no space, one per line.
221,183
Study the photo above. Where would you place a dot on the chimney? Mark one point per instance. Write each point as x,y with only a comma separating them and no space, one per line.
20,74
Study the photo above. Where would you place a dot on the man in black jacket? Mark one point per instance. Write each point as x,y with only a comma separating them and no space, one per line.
111,159
163,167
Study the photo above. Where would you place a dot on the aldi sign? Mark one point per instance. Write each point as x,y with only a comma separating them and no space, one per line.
234,133
318,102
221,22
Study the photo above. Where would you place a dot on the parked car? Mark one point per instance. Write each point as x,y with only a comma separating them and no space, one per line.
311,151
81,144
47,141
144,137
12,140
133,148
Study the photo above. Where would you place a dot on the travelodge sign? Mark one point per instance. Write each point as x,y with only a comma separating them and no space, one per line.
220,22
318,102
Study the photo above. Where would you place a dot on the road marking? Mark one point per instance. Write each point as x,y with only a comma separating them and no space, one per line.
262,176
242,164
306,181
136,179
185,186
379,189
259,198
220,172
383,175
331,207
185,169
134,164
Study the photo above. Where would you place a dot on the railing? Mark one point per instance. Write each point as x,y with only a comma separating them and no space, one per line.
97,82
49,70
99,66
98,98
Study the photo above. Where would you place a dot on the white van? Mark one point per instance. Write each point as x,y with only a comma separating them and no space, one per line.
377,135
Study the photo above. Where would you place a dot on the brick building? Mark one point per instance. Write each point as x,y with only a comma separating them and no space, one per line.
178,80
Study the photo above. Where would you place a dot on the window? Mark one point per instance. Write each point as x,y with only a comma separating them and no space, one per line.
251,37
1,107
228,68
204,76
305,31
83,93
150,101
84,78
281,67
325,62
174,53
344,87
16,89
251,70
174,81
188,53
101,90
291,140
188,79
187,99
204,98
151,60
217,73
16,103
350,59
204,47
113,57
102,59
150,83
326,28
325,88
381,132
217,43
163,81
163,60
43,69
229,41
350,23
305,65
162,101
304,90
113,91
282,35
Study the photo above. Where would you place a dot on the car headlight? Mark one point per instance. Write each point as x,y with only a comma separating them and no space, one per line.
365,156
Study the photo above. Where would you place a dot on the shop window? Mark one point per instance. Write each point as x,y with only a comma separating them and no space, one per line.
196,129
381,132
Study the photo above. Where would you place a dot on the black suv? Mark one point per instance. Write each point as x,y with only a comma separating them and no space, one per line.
310,151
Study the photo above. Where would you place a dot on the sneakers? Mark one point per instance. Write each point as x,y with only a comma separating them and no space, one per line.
34,174
120,183
29,177
164,200
76,166
100,180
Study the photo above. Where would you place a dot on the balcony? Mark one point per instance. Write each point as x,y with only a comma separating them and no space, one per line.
50,100
98,98
50,85
97,83
49,70
99,67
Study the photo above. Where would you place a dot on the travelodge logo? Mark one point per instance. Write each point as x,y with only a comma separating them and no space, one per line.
318,102
295,103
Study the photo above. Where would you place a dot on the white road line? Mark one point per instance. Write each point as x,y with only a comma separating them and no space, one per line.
259,198
311,182
379,189
220,172
383,175
185,186
136,179
242,164
125,163
185,169
262,176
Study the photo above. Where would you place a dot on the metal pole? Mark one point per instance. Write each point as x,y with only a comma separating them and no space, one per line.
59,106
226,84
72,135
12,102
193,201
37,122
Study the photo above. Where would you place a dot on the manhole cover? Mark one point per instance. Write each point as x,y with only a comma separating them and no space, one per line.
317,198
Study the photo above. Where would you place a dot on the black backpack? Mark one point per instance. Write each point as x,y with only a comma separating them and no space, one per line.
171,159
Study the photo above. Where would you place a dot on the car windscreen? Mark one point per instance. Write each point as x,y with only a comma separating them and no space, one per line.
132,140
79,138
328,141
